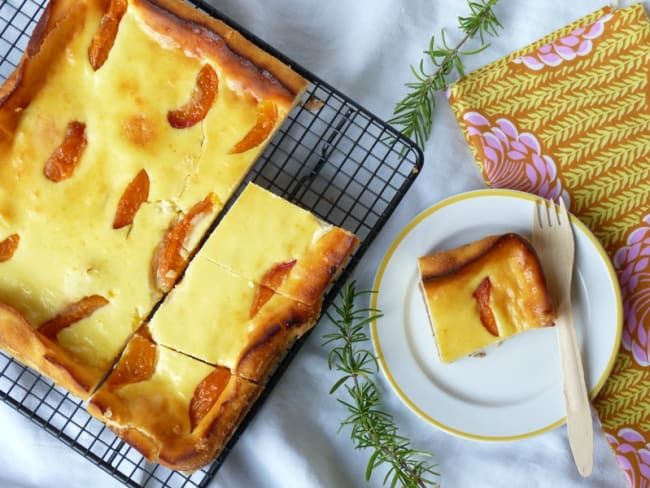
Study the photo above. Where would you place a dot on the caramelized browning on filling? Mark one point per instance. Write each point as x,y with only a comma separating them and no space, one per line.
482,295
135,194
264,77
137,364
195,110
140,130
168,260
104,38
267,116
270,282
71,314
8,247
65,158
207,393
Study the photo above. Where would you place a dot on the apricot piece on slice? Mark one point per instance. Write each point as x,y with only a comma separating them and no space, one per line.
169,260
200,102
71,314
482,295
207,393
8,247
63,162
267,116
135,194
271,281
137,364
104,38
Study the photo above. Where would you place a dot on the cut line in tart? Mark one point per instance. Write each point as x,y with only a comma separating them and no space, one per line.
175,410
284,248
483,292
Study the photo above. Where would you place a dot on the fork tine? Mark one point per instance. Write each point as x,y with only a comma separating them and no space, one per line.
552,213
543,210
563,213
556,212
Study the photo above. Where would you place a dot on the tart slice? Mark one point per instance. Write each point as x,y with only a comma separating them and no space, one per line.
254,287
482,293
226,320
175,410
279,246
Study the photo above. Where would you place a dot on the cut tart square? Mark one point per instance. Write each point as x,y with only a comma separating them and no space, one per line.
125,128
484,292
245,316
223,326
175,410
215,318
226,320
279,246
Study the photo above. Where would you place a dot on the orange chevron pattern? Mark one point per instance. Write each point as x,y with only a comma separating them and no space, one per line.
569,117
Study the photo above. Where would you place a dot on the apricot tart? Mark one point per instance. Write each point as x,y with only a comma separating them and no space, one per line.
255,286
174,409
484,292
123,131
209,348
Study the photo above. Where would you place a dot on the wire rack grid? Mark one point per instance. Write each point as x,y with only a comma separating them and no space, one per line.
331,156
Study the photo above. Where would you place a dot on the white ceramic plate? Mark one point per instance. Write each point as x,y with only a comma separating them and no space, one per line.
515,390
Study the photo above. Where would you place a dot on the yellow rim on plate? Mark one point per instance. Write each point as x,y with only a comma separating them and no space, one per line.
379,276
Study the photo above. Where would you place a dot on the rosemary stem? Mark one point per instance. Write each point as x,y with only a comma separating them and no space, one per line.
375,436
448,58
413,114
469,35
371,427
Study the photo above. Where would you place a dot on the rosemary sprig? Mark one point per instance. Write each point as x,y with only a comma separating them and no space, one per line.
413,114
370,426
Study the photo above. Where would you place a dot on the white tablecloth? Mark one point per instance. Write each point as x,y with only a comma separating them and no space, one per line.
363,48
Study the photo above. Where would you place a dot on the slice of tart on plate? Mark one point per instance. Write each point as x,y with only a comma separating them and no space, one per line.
483,292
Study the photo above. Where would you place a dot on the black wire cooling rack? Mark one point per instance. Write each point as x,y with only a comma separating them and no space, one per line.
331,156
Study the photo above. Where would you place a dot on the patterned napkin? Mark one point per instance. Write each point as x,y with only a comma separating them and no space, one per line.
569,116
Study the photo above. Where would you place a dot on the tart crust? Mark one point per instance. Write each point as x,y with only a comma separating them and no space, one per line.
25,344
180,21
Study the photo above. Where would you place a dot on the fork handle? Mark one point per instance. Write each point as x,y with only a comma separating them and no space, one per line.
578,410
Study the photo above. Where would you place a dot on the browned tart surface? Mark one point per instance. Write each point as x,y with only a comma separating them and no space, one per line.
126,127
483,292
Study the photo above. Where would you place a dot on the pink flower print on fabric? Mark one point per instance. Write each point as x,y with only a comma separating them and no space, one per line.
632,263
512,159
633,455
567,48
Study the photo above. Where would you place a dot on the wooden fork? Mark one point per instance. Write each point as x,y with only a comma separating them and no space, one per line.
554,243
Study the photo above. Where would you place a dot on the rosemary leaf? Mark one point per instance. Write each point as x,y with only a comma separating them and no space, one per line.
413,114
371,427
